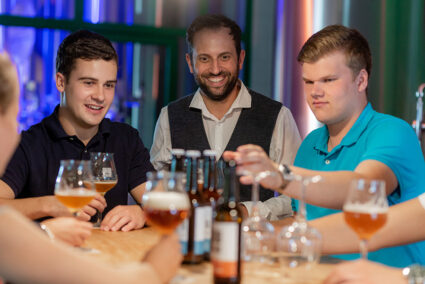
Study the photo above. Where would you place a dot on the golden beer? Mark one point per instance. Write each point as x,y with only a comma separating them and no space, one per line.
104,186
365,224
75,200
165,210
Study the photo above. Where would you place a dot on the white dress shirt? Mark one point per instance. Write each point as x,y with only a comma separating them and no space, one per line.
283,147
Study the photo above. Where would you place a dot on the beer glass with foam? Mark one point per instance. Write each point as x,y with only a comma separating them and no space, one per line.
165,201
365,209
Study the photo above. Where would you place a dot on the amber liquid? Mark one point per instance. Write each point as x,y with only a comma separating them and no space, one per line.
103,187
74,202
165,221
365,224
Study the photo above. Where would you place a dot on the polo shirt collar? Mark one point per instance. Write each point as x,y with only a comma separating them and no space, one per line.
243,100
353,134
55,129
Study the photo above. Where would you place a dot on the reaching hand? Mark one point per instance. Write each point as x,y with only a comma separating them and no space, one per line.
97,203
252,158
364,272
124,218
165,257
69,230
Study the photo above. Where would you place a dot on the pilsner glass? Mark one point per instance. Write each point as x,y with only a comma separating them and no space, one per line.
105,176
74,184
365,209
165,201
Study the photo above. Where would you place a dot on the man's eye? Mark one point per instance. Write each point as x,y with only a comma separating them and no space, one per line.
110,85
225,57
329,80
308,82
88,83
203,59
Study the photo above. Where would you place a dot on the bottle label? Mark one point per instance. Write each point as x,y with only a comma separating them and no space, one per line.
207,228
225,249
183,233
198,238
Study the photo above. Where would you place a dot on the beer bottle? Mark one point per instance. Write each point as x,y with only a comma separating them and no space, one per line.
177,161
210,196
191,232
227,231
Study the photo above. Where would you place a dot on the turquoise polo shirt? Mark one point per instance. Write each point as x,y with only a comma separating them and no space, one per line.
380,137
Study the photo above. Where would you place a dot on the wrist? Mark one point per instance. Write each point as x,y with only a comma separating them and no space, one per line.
47,231
414,274
286,176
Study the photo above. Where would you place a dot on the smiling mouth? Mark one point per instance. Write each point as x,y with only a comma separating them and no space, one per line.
94,107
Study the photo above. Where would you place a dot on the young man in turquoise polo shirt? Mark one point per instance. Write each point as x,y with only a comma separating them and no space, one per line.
355,141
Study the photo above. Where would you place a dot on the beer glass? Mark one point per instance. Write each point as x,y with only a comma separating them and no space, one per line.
165,201
105,176
299,244
74,186
365,209
257,232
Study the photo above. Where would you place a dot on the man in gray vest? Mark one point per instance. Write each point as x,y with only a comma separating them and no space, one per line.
224,114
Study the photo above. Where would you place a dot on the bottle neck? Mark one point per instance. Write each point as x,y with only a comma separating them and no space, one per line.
231,185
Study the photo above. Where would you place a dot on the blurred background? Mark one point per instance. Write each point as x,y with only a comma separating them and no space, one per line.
149,36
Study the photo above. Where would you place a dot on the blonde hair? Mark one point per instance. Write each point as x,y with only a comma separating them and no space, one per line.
7,82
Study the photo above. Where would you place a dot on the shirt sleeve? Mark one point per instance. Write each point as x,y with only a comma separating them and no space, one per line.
140,163
16,172
161,146
283,148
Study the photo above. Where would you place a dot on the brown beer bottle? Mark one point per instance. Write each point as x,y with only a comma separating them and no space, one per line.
191,232
226,238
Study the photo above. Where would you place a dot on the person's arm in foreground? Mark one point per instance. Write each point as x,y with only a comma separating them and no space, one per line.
401,228
28,256
46,206
335,184
365,272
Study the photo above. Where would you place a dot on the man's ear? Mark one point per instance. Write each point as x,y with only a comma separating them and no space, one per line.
362,80
189,62
60,82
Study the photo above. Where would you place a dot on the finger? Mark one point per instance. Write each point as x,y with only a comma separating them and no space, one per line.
124,220
248,148
100,198
89,210
229,155
110,219
83,216
246,179
129,226
98,203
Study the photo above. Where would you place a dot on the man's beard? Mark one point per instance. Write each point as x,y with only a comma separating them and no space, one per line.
228,88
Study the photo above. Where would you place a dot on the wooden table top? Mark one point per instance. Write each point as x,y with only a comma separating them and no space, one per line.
125,247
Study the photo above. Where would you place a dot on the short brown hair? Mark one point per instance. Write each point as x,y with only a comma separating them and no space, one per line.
83,44
7,82
338,38
214,22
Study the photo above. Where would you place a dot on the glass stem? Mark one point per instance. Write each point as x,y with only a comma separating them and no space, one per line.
98,219
302,214
363,249
255,197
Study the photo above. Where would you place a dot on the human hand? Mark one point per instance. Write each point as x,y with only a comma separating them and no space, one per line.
124,218
97,203
53,207
168,251
69,230
364,272
253,159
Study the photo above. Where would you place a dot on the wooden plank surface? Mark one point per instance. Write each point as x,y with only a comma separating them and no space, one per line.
126,247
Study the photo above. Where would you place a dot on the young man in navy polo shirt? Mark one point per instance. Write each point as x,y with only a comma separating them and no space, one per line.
355,141
86,66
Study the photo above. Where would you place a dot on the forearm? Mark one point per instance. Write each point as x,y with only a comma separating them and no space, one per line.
330,192
29,257
33,207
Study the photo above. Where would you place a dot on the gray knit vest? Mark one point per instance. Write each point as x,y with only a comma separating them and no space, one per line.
255,126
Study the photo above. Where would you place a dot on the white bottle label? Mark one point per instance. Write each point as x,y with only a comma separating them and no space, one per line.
198,246
183,233
207,228
225,249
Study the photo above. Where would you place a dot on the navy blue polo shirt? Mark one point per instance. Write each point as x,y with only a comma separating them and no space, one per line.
33,168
